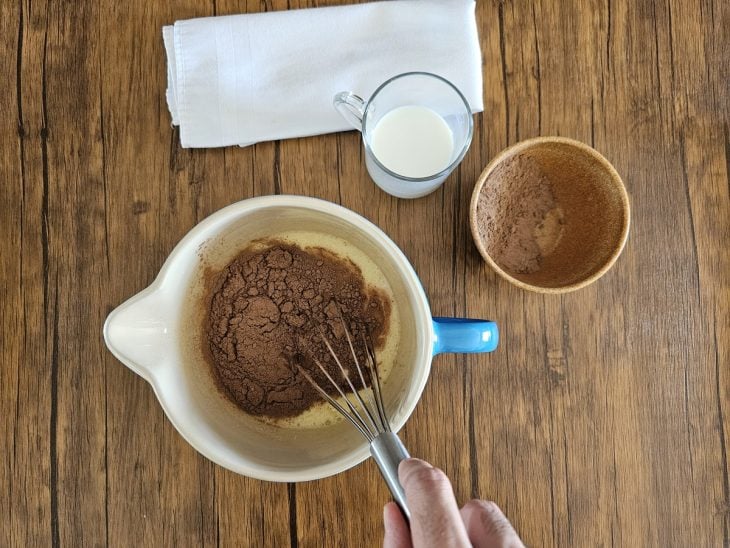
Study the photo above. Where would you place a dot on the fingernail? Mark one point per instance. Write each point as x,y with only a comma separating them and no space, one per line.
419,461
387,523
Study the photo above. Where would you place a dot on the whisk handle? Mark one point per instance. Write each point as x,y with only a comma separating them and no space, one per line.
388,451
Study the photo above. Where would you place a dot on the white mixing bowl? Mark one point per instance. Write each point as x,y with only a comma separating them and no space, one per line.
157,334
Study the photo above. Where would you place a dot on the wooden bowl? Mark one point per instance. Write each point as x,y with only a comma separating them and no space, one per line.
550,215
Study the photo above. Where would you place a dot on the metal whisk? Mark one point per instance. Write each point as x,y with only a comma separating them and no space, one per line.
368,417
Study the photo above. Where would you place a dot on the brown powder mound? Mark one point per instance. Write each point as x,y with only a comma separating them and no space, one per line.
517,216
265,313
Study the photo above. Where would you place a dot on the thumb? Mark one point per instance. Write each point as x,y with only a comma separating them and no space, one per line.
435,519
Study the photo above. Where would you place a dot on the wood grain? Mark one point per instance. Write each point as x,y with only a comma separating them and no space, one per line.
601,420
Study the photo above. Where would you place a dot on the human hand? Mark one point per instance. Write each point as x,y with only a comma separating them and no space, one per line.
436,520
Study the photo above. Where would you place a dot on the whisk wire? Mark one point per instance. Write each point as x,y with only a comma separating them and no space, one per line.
375,375
334,403
348,402
355,392
385,447
382,426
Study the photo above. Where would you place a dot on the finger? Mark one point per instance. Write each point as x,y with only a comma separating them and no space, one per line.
488,527
435,519
397,534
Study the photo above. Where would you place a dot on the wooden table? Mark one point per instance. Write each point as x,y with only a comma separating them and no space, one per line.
602,418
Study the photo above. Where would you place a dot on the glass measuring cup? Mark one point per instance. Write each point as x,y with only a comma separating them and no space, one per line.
411,89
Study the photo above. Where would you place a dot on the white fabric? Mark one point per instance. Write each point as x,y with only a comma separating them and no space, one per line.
242,79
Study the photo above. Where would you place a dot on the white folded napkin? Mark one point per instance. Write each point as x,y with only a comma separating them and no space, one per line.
242,79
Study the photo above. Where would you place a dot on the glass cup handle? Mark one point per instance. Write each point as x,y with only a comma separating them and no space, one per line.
351,107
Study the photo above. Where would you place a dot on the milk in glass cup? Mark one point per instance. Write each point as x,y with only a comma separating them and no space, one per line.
416,128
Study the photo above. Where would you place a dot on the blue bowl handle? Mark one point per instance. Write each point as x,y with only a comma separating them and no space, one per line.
464,335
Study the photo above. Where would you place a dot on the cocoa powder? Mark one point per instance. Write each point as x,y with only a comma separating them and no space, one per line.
268,309
518,218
